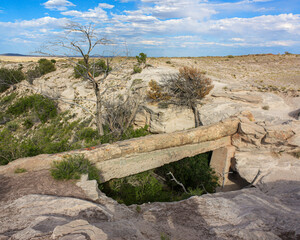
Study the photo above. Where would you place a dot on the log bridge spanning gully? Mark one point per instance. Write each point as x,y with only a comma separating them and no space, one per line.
137,155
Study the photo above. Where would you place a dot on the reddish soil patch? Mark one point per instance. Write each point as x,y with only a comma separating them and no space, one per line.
41,182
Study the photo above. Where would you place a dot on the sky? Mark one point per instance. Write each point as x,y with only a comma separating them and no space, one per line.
159,28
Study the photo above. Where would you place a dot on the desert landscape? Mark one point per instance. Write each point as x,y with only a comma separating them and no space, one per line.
250,124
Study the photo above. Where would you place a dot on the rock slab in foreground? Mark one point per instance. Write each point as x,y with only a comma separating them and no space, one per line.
246,214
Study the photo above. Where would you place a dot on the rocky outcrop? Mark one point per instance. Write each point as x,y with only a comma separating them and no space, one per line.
165,120
246,214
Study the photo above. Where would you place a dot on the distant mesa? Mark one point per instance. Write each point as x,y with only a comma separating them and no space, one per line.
13,55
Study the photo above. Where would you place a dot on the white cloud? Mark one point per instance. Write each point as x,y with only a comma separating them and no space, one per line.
238,39
96,14
106,5
35,23
60,5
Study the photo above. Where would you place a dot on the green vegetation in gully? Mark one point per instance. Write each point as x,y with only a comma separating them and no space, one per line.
32,125
10,77
156,185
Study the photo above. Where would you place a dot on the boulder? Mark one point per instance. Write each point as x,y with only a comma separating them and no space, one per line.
165,120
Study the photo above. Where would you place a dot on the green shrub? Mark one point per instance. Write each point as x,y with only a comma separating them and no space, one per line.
168,62
28,123
137,69
88,134
141,58
53,61
230,56
72,167
12,126
43,107
46,66
33,74
80,70
136,189
8,99
20,170
156,185
193,173
9,147
10,77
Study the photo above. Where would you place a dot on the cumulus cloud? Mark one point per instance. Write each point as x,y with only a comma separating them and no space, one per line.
34,23
95,14
60,5
106,5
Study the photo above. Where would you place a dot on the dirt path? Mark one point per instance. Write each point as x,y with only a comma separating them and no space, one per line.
40,182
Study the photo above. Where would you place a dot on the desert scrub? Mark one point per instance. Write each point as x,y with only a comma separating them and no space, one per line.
157,185
72,167
137,69
141,58
46,66
28,123
81,69
155,93
266,107
20,170
8,99
43,107
9,77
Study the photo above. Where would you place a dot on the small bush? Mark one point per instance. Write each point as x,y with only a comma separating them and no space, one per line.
142,58
44,108
20,170
12,126
136,189
33,74
88,134
46,66
297,154
9,77
53,61
193,173
8,99
168,62
72,167
266,107
80,70
230,56
156,92
137,69
28,123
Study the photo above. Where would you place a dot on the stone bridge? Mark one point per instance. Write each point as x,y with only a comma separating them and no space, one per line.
133,156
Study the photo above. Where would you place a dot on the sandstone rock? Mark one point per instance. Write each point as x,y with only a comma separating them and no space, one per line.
217,111
90,187
79,228
244,97
246,214
278,134
165,120
273,167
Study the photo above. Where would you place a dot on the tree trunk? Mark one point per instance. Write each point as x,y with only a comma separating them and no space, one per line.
197,116
99,121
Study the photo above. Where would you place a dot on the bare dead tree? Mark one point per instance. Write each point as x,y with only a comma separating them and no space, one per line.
188,87
121,111
83,41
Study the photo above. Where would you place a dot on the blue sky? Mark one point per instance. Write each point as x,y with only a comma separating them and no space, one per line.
158,27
